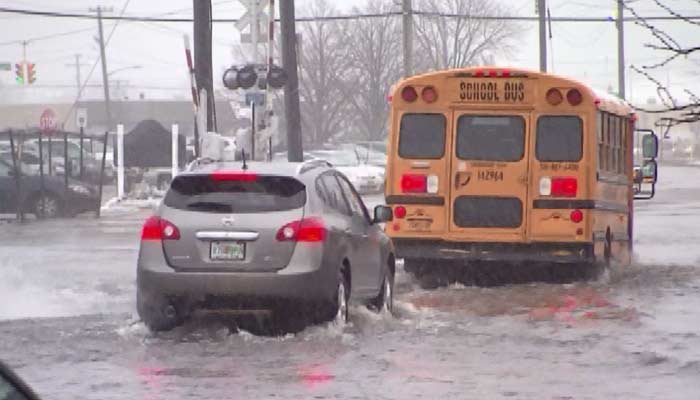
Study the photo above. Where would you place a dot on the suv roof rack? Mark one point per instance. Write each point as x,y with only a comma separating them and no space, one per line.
311,164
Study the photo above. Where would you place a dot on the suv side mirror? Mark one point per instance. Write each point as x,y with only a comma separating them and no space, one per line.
650,146
383,214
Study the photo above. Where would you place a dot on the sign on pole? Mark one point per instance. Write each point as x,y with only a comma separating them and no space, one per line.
251,21
5,66
47,121
81,117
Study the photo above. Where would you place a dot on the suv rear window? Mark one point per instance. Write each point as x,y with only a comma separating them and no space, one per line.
265,194
490,138
559,138
422,136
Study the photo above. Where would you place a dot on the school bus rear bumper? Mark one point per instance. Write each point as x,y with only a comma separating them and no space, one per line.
556,252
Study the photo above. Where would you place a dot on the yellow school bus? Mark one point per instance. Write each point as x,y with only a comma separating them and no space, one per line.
510,165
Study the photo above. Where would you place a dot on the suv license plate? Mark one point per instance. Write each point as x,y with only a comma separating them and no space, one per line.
227,251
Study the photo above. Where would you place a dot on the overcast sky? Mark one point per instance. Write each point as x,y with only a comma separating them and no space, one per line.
587,51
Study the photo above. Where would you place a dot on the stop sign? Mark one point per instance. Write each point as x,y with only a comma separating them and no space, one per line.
47,121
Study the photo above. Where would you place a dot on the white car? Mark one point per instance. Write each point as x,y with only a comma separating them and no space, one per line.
365,178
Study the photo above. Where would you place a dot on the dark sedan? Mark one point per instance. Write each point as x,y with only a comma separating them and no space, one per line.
53,201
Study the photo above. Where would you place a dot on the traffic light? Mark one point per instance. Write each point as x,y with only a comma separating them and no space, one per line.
31,73
19,73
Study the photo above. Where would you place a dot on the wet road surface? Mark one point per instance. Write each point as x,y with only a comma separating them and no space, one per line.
68,325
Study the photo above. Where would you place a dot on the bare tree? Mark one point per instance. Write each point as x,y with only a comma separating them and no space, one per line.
674,111
324,61
375,57
448,36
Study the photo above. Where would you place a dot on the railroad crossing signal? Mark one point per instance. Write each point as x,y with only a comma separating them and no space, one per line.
19,73
247,76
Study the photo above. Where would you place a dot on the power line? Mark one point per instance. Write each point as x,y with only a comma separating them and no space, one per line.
134,18
45,37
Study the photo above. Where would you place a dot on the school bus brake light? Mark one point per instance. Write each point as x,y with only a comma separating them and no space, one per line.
412,183
409,94
554,97
574,97
429,94
558,186
416,183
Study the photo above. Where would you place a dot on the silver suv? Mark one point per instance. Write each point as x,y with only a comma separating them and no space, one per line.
293,239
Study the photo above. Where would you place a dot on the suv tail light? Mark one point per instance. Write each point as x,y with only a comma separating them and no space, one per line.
156,228
416,183
560,186
305,230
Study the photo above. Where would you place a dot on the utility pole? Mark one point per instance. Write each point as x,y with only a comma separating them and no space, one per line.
202,57
25,71
78,81
407,37
105,77
620,50
291,88
542,14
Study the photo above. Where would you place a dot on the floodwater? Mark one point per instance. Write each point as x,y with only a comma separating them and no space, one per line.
68,326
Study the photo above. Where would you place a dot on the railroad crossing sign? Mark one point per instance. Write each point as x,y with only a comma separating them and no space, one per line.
47,121
254,14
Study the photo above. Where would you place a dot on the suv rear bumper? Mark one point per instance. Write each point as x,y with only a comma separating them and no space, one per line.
549,252
298,281
197,286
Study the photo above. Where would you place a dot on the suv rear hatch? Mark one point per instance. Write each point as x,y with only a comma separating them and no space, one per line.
229,221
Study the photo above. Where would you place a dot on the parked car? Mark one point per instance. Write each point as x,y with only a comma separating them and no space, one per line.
291,238
53,201
92,166
31,164
365,177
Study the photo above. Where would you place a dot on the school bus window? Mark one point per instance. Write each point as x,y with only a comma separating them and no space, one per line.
609,147
422,136
491,138
599,123
559,138
618,142
624,147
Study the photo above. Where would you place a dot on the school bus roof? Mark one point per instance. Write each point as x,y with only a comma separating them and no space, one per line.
603,100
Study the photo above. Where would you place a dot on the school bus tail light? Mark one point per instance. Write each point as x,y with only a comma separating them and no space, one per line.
574,97
400,212
409,94
432,184
576,216
416,183
564,186
429,94
554,96
558,186
412,183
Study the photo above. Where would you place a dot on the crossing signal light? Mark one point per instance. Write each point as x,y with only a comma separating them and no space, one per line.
247,76
31,73
277,77
19,73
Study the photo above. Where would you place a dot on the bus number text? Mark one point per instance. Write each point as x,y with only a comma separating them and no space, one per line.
490,175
